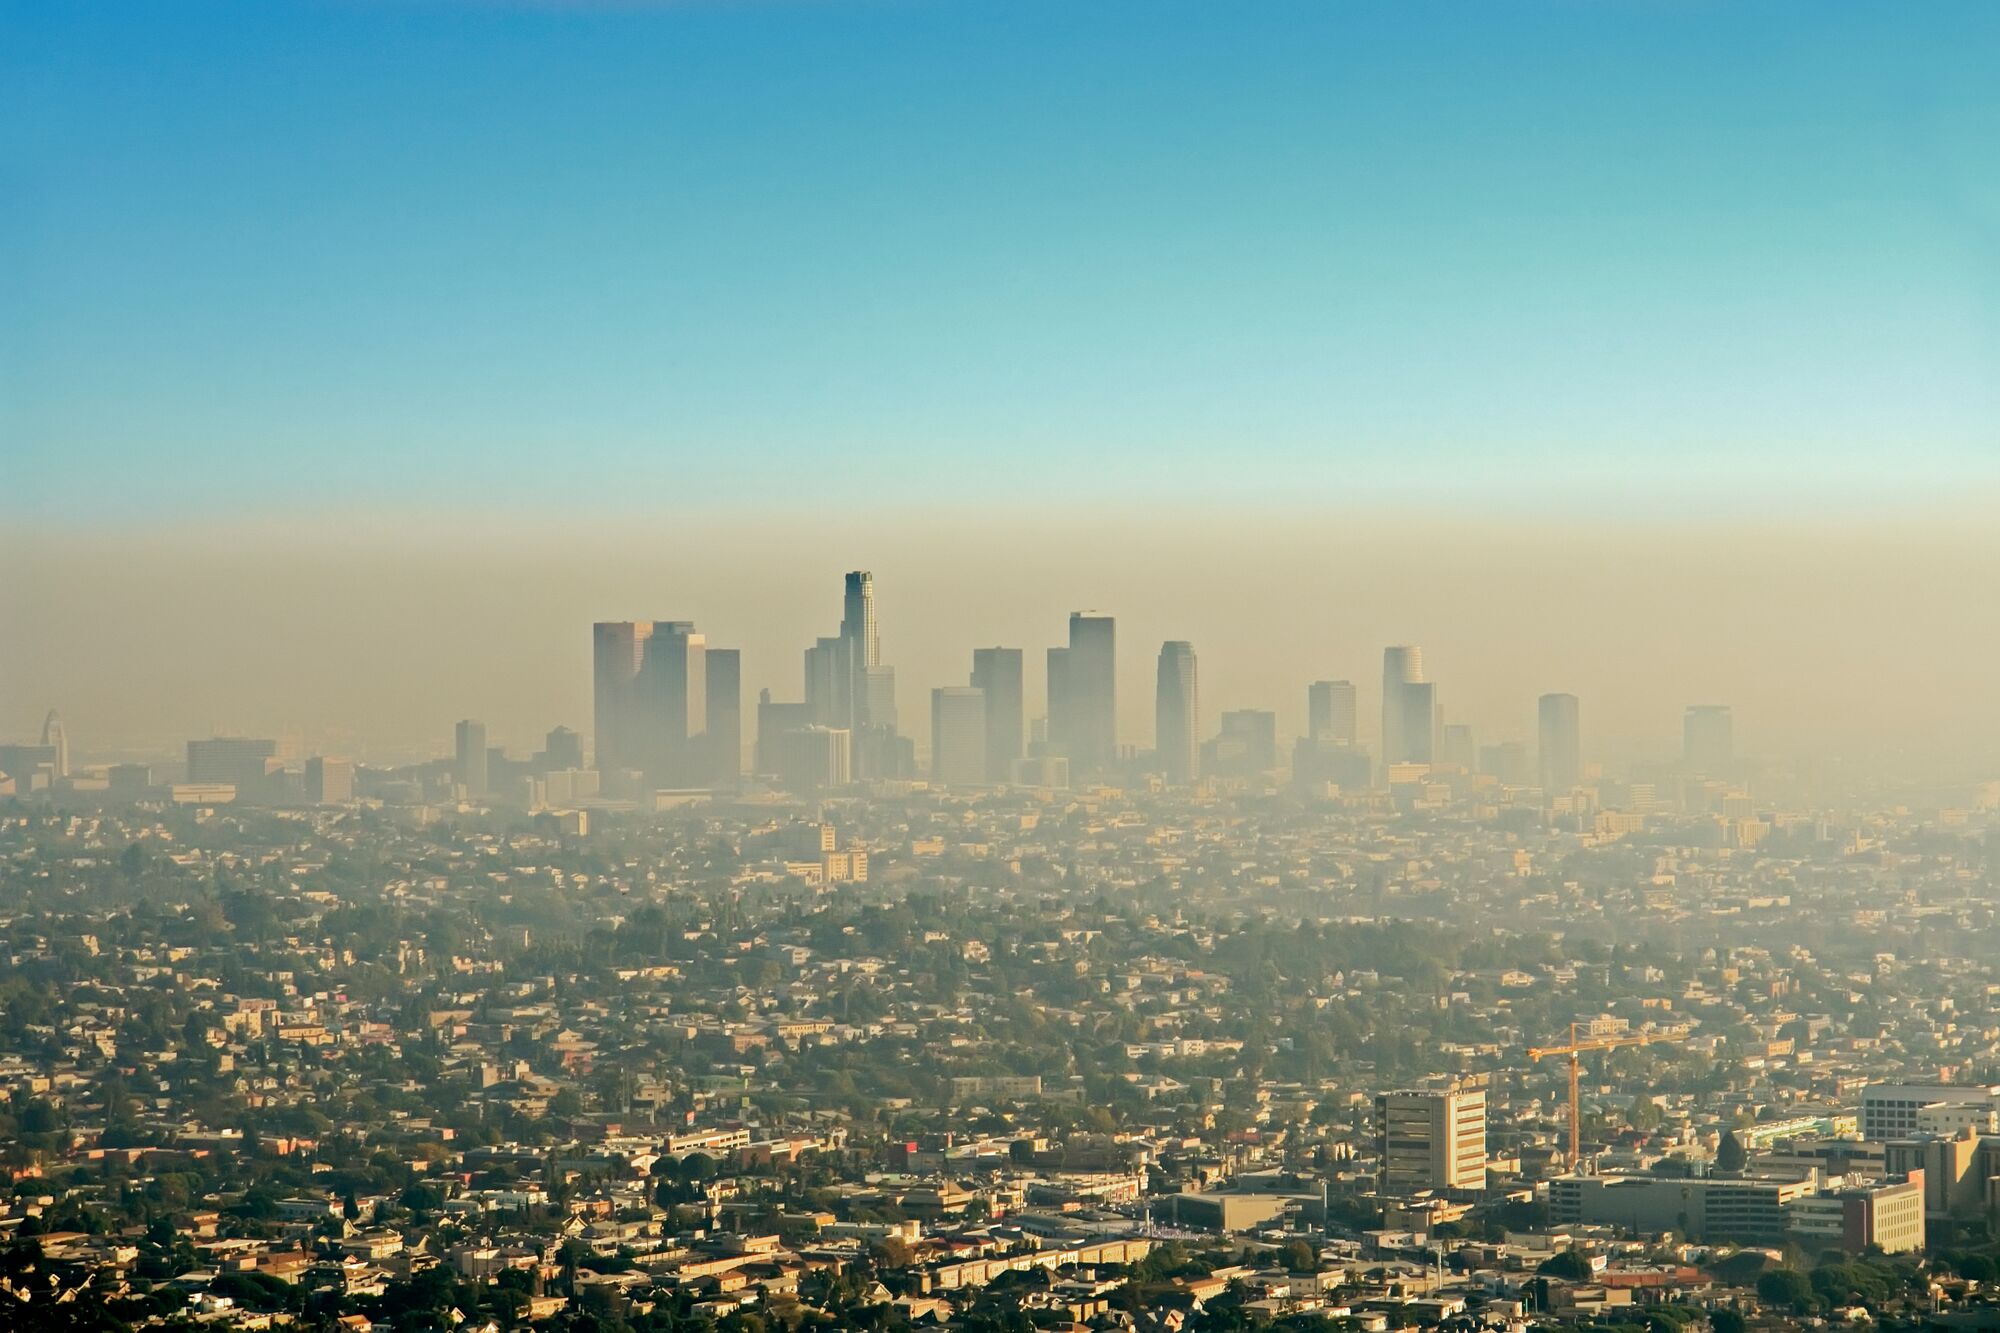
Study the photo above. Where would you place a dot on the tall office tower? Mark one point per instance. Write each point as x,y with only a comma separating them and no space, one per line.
468,768
997,673
618,650
1417,732
875,697
241,761
1708,738
32,767
562,749
1177,711
329,781
1458,747
1092,687
670,701
848,688
814,758
1330,711
1432,1139
958,735
829,684
129,782
774,722
1318,764
1247,745
1403,742
857,620
1507,761
56,740
1061,720
880,753
723,720
1559,738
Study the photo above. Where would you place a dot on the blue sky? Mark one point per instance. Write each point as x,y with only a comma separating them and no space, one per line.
462,258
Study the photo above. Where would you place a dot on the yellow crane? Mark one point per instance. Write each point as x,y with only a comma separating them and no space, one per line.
1577,1044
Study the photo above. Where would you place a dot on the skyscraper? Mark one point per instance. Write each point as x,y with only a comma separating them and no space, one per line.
875,697
829,684
1458,747
243,762
775,721
857,620
651,706
958,735
1708,738
723,714
1330,711
1056,727
56,739
670,701
1176,711
1420,722
1245,747
1091,690
1507,761
997,673
562,748
1403,671
848,688
329,781
814,758
469,763
1559,740
618,649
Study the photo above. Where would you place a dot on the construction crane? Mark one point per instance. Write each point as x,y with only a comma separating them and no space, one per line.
1575,1047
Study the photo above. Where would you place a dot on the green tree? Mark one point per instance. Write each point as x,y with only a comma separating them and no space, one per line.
1569,1265
1786,1287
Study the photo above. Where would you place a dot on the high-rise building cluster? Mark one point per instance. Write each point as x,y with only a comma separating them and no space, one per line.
668,707
845,729
668,718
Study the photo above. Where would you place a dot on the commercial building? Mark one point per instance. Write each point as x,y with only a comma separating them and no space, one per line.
1246,746
329,781
1892,1110
1402,666
618,649
997,674
722,729
1331,711
1559,742
815,758
654,717
469,757
1710,1208
242,762
1409,708
1708,738
1886,1216
958,735
1176,711
1086,727
1432,1138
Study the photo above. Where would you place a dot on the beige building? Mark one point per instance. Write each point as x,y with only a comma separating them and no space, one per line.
1432,1139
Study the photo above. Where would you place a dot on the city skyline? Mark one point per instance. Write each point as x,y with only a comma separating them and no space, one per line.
1631,723
1145,666
1290,335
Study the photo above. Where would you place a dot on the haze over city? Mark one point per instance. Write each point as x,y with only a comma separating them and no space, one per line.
999,666
1637,351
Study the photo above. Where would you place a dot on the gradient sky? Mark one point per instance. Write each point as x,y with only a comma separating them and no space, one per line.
354,356
460,257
